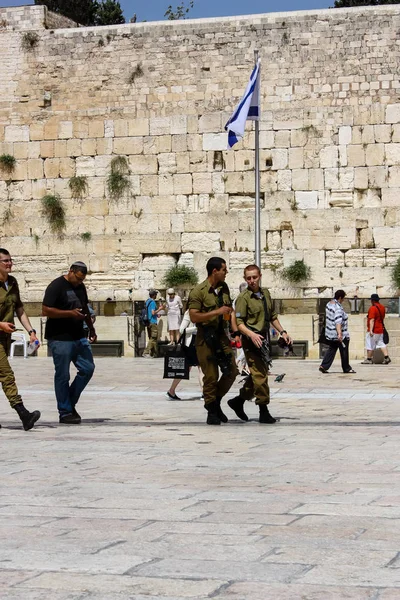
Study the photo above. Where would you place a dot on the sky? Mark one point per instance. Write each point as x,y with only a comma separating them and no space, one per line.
154,9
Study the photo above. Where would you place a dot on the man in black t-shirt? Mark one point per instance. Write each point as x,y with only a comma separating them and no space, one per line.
65,306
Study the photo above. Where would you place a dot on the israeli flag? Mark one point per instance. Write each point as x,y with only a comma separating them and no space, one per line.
248,108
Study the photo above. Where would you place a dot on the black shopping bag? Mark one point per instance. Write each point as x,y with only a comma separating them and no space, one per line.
176,363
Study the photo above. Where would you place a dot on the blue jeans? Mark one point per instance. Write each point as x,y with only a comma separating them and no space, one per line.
64,352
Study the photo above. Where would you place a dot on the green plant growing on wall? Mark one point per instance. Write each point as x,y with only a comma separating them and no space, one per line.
118,180
79,187
137,72
296,272
54,212
86,236
7,163
30,40
395,274
180,275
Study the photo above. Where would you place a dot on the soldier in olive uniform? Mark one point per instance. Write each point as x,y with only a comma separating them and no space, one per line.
210,307
10,302
254,313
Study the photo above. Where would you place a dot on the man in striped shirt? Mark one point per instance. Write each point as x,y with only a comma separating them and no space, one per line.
337,334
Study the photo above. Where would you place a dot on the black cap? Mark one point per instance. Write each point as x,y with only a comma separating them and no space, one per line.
374,298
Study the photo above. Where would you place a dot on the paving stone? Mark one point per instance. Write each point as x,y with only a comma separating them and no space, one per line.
143,500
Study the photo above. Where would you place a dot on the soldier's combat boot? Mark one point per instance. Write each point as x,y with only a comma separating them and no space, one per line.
28,418
212,416
265,416
237,405
222,416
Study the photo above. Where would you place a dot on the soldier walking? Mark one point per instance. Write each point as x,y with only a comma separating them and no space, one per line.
210,307
254,313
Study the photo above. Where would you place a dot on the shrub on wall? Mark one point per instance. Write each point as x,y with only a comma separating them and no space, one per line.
118,180
7,163
297,272
54,212
78,186
180,275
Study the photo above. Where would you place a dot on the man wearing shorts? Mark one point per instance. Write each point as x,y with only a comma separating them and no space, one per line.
374,337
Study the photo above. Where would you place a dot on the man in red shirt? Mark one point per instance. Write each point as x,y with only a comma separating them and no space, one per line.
374,337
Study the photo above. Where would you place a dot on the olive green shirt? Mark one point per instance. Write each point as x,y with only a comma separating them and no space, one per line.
9,299
249,310
205,299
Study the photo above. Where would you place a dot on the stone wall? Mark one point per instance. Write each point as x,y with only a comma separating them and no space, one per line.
159,94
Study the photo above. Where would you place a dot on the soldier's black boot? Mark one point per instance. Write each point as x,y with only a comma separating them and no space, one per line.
222,416
28,418
237,405
265,416
212,416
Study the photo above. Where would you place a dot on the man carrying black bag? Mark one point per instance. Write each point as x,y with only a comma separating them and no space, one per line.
210,307
254,313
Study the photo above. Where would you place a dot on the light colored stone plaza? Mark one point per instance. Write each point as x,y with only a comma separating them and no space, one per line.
145,501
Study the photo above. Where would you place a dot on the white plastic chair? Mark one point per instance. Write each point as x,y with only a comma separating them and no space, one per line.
18,340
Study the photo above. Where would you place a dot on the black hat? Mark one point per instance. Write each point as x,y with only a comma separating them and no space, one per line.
374,298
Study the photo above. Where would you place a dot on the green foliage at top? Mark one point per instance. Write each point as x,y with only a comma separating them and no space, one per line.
7,163
297,272
396,274
109,12
352,3
54,212
87,12
180,275
180,11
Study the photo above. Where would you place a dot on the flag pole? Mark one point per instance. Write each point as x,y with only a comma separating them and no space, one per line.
257,230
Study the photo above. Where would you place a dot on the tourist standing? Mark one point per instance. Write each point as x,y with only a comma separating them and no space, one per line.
152,328
174,315
10,303
65,306
210,308
337,334
375,329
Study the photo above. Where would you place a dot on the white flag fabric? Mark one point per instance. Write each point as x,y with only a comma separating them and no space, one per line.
248,108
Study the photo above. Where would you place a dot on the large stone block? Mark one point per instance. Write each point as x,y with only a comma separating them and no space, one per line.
160,125
356,156
138,127
306,200
345,135
143,165
35,168
374,154
329,157
392,154
16,133
128,145
393,113
202,183
52,168
387,237
201,242
183,184
85,166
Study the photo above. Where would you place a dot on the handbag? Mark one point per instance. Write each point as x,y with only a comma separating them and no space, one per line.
385,331
176,363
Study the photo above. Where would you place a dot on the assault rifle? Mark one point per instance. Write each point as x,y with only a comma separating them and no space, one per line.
213,341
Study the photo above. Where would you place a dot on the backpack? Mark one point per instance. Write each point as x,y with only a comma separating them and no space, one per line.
144,315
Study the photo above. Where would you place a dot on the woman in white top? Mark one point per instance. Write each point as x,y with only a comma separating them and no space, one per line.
190,330
174,315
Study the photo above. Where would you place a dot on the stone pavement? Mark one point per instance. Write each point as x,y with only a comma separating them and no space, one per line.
144,501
